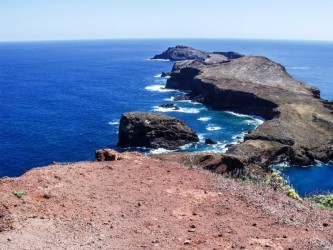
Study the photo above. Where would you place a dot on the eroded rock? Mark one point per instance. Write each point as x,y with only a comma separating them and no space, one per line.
154,130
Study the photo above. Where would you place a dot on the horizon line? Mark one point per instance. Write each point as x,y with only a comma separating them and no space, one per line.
164,38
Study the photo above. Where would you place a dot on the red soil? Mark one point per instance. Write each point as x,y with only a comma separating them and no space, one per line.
143,203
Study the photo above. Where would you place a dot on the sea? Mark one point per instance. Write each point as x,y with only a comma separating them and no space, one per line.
62,100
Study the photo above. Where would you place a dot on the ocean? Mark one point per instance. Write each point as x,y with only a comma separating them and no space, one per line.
62,100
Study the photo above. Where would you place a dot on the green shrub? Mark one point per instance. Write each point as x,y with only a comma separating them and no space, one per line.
293,194
18,194
324,201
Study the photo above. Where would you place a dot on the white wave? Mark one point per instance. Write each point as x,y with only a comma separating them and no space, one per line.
186,146
159,60
217,148
204,119
237,114
158,88
158,75
254,121
180,110
161,151
239,137
169,99
191,102
201,137
213,128
114,122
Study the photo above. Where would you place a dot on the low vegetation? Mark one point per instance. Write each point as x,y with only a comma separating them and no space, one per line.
18,194
323,201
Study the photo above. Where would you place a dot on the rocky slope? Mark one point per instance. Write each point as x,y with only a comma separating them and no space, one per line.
140,203
298,126
153,130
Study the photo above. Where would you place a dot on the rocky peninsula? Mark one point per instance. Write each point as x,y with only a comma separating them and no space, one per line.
299,125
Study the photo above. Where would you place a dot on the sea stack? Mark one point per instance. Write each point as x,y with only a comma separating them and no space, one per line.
154,130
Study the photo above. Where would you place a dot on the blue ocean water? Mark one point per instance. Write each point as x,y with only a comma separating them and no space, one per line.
60,101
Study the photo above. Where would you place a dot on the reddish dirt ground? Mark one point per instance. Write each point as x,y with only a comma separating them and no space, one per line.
143,203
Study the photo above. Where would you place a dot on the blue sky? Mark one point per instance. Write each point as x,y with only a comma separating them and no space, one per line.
22,20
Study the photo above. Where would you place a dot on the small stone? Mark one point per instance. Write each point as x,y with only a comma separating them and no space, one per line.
187,242
254,224
192,226
191,230
325,224
284,236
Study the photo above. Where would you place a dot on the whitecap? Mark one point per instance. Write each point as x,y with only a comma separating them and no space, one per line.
169,99
158,88
158,75
254,121
114,122
161,151
180,110
237,114
213,128
238,138
158,60
190,102
201,137
204,119
186,146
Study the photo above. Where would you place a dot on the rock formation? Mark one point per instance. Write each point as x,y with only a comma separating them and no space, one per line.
298,126
169,106
153,130
181,52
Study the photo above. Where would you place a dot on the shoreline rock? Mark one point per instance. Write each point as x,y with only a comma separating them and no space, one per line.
154,130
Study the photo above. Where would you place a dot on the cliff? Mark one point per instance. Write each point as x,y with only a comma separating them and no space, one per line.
298,126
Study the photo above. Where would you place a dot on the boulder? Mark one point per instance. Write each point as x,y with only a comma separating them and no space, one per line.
153,130
209,141
106,155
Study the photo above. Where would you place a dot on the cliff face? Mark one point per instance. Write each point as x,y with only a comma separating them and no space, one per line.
298,126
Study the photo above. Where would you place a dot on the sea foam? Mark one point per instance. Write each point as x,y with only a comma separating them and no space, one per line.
213,128
180,110
158,88
204,119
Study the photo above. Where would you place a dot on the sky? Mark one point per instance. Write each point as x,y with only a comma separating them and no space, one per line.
28,20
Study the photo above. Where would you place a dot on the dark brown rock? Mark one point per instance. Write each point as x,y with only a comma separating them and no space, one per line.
154,130
106,155
210,141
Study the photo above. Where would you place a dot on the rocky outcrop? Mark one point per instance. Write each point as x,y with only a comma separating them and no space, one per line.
169,106
181,52
298,126
154,130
